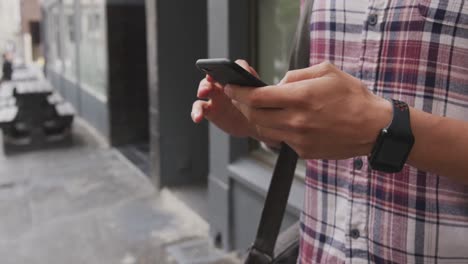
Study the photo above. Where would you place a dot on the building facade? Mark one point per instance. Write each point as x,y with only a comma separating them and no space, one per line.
96,56
30,12
10,25
122,62
20,29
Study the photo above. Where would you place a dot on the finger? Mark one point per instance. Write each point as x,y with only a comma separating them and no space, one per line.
312,72
204,89
213,81
208,89
244,64
199,110
275,118
264,97
271,145
254,72
210,79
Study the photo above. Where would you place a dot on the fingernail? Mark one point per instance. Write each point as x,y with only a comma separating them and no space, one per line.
196,113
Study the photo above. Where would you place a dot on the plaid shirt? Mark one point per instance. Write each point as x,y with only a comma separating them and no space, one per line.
415,51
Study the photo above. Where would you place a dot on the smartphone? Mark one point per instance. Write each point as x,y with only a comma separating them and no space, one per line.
225,72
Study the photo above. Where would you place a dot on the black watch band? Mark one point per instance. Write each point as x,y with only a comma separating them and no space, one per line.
394,142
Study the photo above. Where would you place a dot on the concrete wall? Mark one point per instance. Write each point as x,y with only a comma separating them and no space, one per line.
176,39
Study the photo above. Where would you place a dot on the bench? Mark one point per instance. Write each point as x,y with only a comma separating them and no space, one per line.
32,115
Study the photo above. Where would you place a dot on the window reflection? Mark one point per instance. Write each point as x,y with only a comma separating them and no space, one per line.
65,42
277,21
53,29
276,26
93,58
69,59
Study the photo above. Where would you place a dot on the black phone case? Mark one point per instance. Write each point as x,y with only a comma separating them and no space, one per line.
225,72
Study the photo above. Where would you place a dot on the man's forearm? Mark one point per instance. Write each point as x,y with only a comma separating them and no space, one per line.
441,145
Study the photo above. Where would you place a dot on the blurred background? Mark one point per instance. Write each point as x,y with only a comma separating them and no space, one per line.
139,180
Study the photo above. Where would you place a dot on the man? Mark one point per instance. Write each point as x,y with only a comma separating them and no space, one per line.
7,68
414,51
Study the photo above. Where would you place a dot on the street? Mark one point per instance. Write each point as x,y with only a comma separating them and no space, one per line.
88,204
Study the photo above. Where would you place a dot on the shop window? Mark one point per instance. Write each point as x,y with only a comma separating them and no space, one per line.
93,23
277,21
69,40
93,47
54,56
71,28
276,25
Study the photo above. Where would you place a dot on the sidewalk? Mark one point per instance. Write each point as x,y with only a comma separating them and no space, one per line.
88,204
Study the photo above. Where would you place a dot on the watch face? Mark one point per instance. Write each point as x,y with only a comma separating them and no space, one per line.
394,142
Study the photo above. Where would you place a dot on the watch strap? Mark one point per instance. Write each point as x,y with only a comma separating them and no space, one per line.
400,125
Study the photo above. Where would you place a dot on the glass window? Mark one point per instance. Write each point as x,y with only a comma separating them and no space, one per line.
276,25
93,57
54,54
277,21
69,42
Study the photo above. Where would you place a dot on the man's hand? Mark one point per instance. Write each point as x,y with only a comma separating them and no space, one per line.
220,110
320,111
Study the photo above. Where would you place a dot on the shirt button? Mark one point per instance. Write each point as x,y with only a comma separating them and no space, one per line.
354,234
372,19
358,163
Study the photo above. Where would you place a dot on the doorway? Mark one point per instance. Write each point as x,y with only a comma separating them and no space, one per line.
128,82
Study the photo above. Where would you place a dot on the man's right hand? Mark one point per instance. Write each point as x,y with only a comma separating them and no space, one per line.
220,110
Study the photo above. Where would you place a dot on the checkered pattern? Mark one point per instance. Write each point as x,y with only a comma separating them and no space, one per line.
417,52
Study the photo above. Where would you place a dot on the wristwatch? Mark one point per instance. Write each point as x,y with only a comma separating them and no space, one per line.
394,142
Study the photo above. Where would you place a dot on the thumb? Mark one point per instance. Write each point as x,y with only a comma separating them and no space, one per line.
244,64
